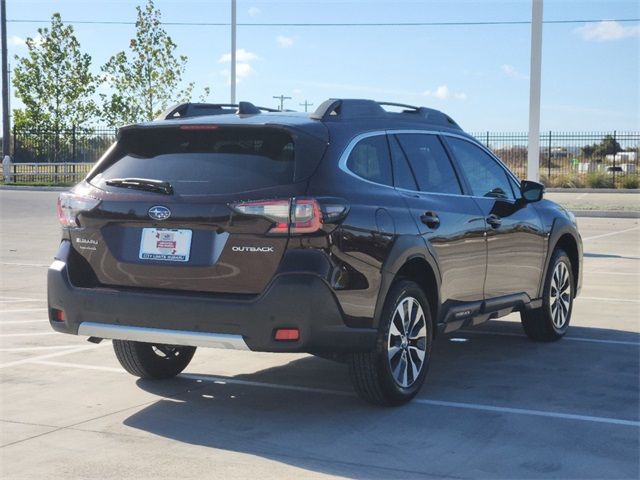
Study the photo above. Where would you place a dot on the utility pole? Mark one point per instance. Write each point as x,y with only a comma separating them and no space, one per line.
282,98
233,51
306,105
6,128
533,153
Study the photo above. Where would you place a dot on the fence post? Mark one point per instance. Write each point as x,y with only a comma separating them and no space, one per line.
549,159
614,159
6,168
73,143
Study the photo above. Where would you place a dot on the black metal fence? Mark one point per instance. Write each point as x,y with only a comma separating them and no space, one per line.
63,146
567,159
573,159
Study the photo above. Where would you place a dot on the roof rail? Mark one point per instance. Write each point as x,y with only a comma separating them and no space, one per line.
189,109
341,109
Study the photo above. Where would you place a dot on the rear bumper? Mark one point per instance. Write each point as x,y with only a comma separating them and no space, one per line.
292,300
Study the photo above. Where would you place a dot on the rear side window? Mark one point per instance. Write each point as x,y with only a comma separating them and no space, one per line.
430,163
370,160
196,162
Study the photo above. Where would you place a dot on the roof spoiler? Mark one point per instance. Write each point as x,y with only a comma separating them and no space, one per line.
343,109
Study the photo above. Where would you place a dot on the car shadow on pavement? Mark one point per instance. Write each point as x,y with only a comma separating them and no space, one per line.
335,433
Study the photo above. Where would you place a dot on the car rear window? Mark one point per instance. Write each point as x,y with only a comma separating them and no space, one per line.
202,160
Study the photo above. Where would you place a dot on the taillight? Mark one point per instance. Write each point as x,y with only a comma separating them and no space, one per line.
70,205
296,216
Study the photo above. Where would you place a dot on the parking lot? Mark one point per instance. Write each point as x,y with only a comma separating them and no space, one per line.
495,404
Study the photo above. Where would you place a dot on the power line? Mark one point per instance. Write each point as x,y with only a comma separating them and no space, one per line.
342,24
306,105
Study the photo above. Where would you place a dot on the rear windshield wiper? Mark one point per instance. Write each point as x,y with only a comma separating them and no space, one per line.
146,184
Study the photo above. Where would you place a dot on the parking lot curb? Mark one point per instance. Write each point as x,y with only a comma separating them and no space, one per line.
592,190
34,188
606,213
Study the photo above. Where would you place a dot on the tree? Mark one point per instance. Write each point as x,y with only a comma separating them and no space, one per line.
607,146
147,79
54,81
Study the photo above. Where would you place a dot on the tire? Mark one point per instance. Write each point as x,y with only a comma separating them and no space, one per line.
383,376
145,360
551,321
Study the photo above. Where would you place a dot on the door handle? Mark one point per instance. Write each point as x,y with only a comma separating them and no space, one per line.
430,219
494,220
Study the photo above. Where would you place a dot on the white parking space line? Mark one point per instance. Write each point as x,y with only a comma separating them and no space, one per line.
614,273
32,334
19,310
610,234
571,339
420,401
609,299
51,355
15,264
21,301
11,322
84,367
3,297
524,411
36,349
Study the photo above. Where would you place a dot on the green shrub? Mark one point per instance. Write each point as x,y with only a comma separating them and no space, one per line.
599,180
565,181
630,181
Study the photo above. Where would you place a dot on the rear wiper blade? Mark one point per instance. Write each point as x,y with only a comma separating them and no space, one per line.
146,184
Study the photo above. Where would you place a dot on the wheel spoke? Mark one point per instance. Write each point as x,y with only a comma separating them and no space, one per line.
419,353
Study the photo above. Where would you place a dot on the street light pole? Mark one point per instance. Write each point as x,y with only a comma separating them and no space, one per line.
233,51
6,129
533,154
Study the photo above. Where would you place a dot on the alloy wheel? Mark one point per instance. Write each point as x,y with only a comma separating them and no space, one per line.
407,342
560,295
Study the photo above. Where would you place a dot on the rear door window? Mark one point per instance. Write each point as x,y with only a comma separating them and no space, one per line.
204,161
370,160
430,164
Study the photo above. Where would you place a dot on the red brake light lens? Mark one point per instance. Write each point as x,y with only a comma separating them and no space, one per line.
70,205
297,216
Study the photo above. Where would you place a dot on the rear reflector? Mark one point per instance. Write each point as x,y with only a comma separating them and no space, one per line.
287,334
58,315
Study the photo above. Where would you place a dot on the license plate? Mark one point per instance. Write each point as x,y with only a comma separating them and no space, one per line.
165,244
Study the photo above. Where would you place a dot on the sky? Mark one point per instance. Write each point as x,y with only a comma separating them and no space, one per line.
478,74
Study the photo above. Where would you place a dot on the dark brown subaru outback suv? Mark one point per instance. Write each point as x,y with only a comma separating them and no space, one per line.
355,233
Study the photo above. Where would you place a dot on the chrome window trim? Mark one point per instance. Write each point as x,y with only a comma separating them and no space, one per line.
342,162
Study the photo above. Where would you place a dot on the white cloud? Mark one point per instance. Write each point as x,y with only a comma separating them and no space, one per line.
444,93
284,42
254,11
511,71
607,30
242,55
243,70
16,41
296,91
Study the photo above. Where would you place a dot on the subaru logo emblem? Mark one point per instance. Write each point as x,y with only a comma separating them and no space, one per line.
159,212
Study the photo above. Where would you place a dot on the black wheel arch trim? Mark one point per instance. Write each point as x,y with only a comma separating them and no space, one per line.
405,249
559,229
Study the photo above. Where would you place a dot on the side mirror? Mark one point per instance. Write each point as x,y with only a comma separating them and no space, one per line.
531,191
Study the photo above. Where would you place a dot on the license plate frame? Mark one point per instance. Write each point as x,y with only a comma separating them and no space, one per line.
165,244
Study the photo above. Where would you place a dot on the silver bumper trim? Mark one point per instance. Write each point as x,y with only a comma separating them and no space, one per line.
163,336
